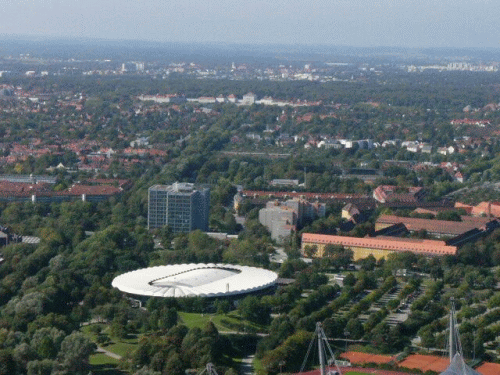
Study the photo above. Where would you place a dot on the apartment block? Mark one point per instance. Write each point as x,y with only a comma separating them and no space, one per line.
181,206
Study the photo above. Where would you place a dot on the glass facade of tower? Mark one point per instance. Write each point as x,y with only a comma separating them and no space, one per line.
180,206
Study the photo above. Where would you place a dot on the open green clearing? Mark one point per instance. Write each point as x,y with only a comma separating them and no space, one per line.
103,365
257,365
120,346
102,359
231,322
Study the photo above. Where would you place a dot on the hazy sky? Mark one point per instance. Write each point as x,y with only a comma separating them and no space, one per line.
412,23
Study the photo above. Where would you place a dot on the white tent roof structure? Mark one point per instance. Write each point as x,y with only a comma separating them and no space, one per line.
457,364
459,367
195,280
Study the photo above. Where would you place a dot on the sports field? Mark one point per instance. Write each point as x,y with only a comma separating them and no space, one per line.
371,371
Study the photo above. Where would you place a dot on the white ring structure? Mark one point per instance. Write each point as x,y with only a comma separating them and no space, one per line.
195,280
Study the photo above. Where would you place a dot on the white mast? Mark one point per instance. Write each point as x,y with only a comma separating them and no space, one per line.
325,354
452,330
208,370
322,365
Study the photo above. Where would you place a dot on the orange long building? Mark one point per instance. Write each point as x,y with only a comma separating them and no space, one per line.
379,247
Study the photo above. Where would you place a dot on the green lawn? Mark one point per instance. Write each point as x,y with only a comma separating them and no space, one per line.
102,359
103,365
229,322
120,346
257,365
87,330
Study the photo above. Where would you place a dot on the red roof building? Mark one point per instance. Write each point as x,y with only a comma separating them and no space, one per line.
306,195
435,227
390,193
379,247
487,209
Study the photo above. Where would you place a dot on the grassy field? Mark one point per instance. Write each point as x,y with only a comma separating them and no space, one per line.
120,346
102,359
228,323
103,365
257,365
100,363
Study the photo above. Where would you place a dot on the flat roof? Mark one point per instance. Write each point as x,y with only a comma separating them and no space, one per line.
195,280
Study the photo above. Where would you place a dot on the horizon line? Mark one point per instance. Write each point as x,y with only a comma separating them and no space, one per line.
34,38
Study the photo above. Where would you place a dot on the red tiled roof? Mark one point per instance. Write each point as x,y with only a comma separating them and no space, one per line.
93,190
257,193
453,228
419,246
486,208
384,193
467,121
476,219
110,181
466,207
22,187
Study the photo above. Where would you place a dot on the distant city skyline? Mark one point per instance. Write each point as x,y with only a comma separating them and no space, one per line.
360,23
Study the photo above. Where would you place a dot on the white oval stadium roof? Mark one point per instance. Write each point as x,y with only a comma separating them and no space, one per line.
195,280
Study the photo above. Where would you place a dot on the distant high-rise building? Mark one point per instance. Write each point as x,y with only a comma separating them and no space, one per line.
180,206
139,66
281,218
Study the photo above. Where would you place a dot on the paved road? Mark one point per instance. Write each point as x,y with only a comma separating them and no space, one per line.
280,256
109,354
94,321
260,334
247,365
240,220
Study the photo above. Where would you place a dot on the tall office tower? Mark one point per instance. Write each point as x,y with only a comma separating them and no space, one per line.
180,206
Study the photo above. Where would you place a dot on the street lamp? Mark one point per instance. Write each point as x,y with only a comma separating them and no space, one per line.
474,345
282,363
346,334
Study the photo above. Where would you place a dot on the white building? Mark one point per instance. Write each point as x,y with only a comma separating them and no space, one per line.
249,99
